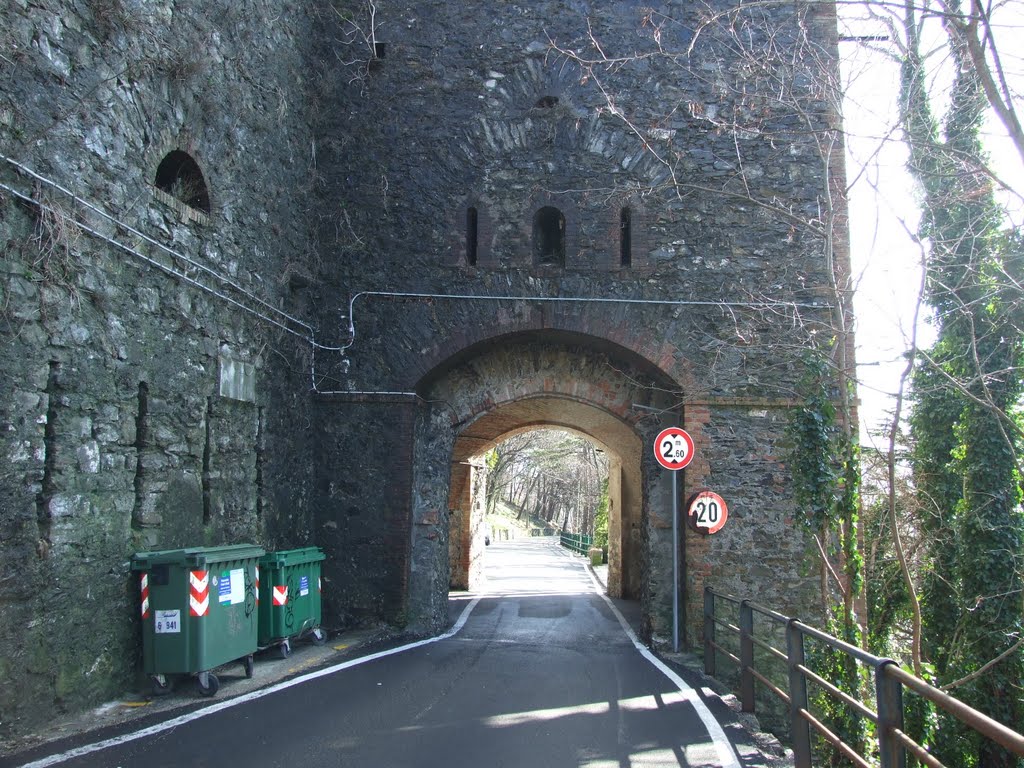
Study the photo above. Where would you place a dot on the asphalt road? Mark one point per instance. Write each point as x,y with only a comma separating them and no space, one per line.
540,670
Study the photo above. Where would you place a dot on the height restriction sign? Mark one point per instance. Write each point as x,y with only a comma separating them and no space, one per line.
673,448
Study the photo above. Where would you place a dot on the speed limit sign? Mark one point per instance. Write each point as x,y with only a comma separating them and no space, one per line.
673,448
707,512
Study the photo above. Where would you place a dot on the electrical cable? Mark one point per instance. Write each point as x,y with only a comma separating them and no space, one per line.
570,299
127,227
309,336
152,262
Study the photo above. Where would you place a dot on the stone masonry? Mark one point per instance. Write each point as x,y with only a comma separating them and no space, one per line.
280,273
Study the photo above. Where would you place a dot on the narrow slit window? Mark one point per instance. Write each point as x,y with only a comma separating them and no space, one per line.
549,237
626,238
471,236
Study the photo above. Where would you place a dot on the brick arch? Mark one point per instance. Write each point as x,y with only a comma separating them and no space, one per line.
605,331
544,380
616,436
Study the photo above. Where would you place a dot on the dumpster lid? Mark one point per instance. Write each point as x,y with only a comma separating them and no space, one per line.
195,556
289,557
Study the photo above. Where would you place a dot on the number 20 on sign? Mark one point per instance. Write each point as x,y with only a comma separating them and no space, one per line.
673,448
707,512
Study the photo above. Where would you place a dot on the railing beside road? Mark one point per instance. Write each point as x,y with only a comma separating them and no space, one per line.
890,683
577,542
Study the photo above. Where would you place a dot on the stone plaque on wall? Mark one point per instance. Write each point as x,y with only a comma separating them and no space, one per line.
237,380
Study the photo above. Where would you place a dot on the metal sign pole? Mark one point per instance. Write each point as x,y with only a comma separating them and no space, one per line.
675,562
673,448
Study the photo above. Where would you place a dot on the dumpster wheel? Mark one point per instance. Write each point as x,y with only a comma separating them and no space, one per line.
161,685
319,636
284,649
248,664
208,683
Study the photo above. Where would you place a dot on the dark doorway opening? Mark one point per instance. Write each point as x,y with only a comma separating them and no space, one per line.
180,176
549,237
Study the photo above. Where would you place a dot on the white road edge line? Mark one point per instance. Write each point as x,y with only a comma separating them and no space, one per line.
726,754
246,697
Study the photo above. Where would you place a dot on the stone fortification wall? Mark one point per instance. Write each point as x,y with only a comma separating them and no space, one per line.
468,110
198,195
154,396
451,132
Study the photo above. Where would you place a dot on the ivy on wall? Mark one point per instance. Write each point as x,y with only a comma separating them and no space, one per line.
824,463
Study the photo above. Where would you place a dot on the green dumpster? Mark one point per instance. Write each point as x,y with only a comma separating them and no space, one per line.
199,611
290,598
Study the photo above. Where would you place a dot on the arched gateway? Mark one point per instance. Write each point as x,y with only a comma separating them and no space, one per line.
416,534
539,246
523,382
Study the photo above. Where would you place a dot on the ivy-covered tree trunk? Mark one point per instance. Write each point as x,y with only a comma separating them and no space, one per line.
940,489
966,391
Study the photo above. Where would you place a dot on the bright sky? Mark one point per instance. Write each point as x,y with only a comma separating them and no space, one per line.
884,214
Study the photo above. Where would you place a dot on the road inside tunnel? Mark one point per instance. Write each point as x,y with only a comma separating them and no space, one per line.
486,394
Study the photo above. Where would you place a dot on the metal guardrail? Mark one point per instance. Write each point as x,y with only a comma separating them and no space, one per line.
577,542
890,682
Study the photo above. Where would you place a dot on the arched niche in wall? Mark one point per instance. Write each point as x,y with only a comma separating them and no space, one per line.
549,237
629,243
180,176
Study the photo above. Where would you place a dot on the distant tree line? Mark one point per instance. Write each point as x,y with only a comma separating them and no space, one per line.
548,475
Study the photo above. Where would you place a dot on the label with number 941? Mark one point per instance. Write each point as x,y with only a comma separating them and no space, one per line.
167,622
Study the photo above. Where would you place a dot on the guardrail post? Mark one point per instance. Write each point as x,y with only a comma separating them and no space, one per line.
800,729
746,656
709,632
889,696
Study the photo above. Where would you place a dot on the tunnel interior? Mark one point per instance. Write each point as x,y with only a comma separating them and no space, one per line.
468,483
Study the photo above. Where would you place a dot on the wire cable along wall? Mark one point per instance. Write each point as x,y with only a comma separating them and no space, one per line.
180,266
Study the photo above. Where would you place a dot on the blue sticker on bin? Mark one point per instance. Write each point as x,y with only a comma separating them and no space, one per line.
224,587
303,586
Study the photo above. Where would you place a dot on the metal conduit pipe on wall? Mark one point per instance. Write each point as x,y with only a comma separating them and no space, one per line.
570,299
309,335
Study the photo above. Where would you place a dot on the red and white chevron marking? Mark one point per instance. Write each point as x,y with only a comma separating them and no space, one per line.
257,585
198,593
144,589
280,594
